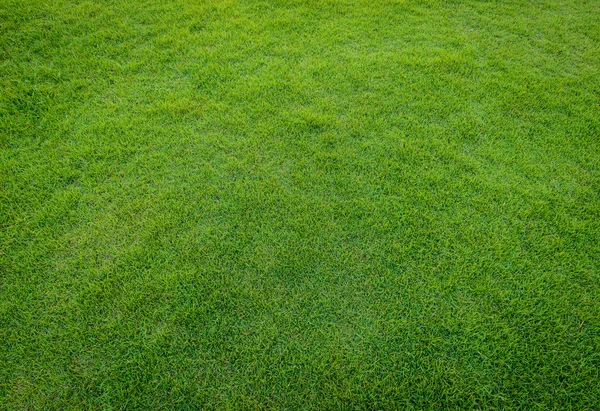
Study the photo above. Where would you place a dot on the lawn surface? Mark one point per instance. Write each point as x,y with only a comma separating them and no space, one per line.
300,204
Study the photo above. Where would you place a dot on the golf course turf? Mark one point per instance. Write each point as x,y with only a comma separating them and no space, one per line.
300,205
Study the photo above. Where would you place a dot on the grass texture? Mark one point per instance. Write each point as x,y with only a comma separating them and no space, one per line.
285,204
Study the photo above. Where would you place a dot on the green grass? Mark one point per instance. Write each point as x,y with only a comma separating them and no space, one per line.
287,204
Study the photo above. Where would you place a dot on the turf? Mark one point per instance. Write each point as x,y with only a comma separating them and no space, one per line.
300,204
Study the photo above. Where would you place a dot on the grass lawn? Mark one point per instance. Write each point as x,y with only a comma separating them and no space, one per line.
286,204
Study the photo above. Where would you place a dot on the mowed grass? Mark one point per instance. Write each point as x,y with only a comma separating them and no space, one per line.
288,204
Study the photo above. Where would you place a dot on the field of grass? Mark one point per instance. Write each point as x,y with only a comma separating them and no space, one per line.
286,204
